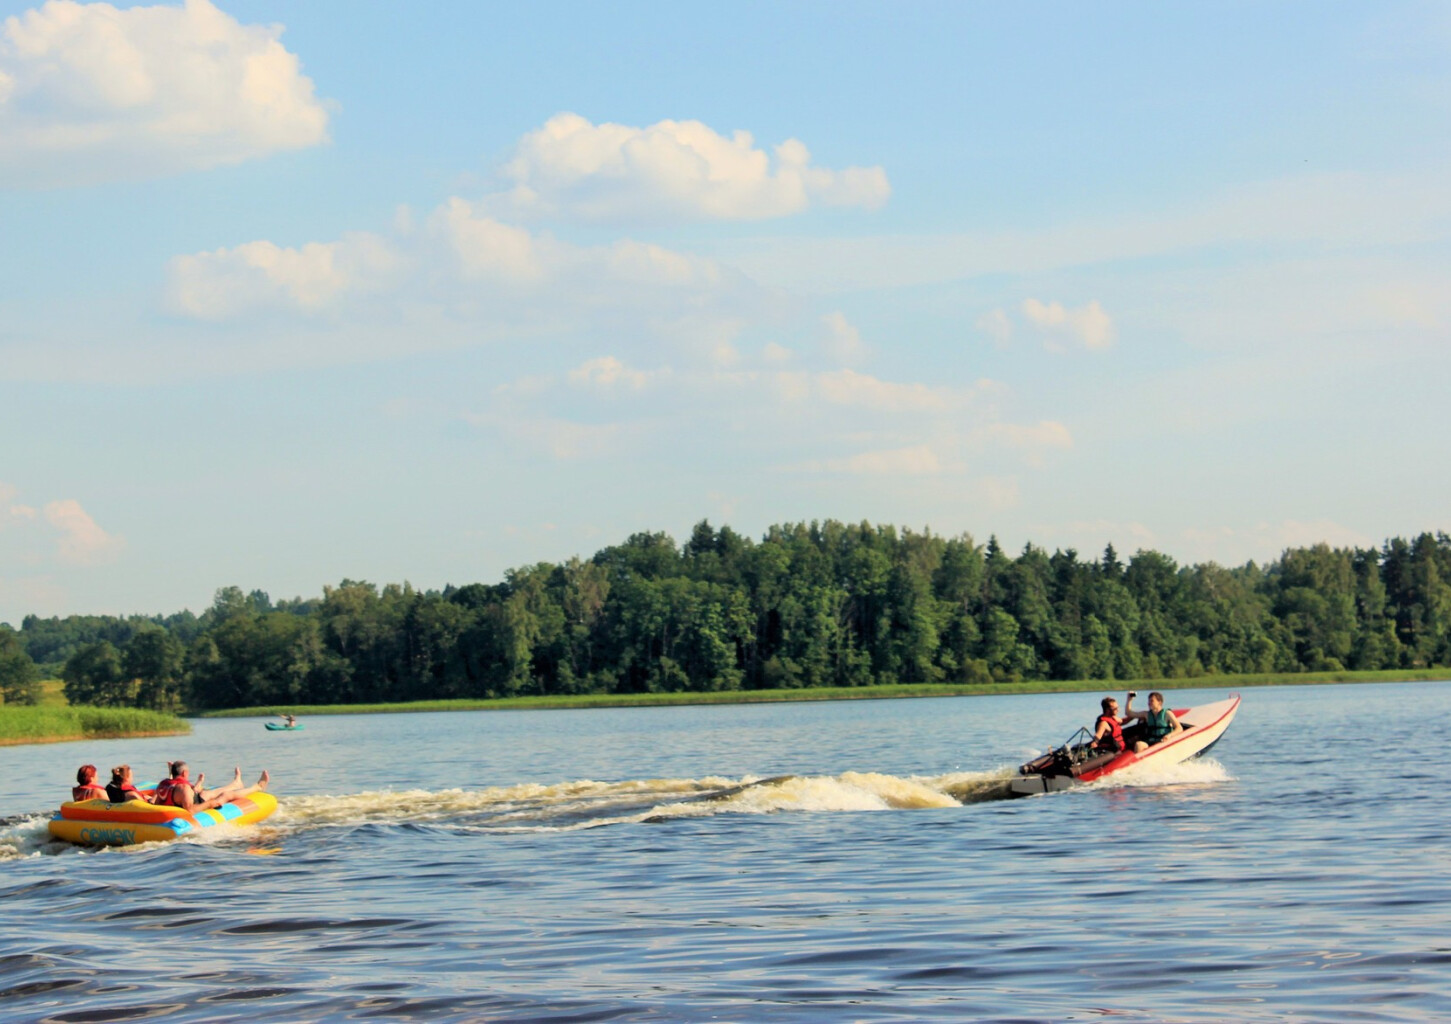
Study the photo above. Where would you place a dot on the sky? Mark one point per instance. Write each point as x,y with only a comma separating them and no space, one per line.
298,292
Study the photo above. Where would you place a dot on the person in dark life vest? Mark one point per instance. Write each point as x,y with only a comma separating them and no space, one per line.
1108,733
1159,721
122,787
179,791
87,788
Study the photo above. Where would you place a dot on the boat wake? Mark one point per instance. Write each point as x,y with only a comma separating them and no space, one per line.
585,803
589,804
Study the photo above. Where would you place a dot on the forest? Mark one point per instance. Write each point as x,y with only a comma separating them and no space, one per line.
809,604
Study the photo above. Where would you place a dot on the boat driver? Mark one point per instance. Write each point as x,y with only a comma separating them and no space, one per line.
1108,733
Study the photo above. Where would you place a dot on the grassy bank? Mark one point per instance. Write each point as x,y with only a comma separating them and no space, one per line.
56,724
615,700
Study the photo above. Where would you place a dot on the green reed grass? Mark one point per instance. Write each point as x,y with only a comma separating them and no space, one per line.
55,724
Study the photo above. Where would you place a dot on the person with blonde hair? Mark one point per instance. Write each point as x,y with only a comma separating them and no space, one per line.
122,787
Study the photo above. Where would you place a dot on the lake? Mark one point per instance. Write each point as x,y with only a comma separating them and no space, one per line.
561,866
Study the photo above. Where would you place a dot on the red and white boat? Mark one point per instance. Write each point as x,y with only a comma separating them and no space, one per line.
1077,761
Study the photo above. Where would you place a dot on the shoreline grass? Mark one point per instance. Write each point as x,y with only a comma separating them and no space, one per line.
884,692
60,724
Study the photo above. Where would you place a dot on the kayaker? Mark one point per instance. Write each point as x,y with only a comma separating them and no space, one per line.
1108,733
1159,721
180,791
291,720
87,788
122,787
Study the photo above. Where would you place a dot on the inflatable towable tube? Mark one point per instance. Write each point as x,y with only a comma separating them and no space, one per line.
102,823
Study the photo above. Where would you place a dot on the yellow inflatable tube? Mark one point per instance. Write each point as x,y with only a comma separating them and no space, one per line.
102,823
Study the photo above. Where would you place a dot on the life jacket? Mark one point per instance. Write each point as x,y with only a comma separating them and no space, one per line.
119,793
1157,724
1115,737
168,792
90,791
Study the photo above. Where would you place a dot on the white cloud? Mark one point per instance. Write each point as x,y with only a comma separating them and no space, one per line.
672,170
81,541
10,512
775,354
1035,440
1087,325
998,326
259,276
607,374
29,533
847,387
488,251
90,92
843,342
476,267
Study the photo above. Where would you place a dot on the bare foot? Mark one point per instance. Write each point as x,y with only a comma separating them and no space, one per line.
237,774
262,782
200,778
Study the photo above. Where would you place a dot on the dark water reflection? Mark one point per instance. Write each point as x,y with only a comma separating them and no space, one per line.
1300,877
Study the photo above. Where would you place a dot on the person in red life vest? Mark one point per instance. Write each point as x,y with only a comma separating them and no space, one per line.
1108,732
87,788
180,791
122,788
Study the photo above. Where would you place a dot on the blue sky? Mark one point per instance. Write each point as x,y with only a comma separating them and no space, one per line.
295,292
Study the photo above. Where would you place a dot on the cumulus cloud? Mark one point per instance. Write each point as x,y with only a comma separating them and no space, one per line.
1033,440
775,354
842,342
10,510
261,275
1059,326
608,374
574,169
81,540
916,460
466,261
76,537
1087,325
997,325
847,387
90,92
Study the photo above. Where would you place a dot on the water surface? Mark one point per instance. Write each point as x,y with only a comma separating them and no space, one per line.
563,866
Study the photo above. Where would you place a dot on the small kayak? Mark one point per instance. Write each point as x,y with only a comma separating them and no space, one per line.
279,727
102,823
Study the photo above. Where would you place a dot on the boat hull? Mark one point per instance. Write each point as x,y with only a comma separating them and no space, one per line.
275,727
102,823
1203,727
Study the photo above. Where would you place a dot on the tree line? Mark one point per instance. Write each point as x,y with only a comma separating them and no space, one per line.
809,604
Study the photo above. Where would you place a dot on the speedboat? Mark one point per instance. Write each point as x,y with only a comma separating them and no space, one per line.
1077,761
